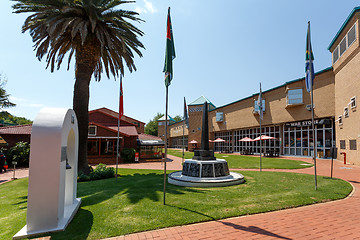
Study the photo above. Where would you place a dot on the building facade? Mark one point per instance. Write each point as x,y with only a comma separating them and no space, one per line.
287,111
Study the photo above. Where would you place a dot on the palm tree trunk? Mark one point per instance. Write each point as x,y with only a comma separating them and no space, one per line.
85,65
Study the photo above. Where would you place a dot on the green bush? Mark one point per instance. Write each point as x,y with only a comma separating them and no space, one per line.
19,153
128,155
100,172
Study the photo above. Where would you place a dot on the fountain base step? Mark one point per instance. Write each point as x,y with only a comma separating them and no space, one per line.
233,178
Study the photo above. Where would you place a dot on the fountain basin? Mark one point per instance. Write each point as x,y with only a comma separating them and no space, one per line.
205,173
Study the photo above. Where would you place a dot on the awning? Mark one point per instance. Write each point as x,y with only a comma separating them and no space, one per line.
150,142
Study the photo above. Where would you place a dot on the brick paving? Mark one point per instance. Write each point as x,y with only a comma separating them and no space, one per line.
332,220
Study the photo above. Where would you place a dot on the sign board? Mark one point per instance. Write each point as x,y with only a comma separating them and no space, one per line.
307,123
219,116
136,157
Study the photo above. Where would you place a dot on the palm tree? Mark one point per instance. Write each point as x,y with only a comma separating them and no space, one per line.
4,99
96,31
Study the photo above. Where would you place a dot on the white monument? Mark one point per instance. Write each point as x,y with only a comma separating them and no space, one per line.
52,201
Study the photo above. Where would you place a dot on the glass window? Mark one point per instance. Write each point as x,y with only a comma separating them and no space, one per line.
92,130
343,46
352,144
295,96
351,35
335,55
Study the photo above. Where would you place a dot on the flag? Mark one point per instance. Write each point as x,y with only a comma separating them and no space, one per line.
309,66
169,52
186,117
259,103
121,103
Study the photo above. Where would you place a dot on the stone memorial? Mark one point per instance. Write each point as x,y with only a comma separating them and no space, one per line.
204,170
52,201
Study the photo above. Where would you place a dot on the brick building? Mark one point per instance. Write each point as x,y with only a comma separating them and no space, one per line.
102,136
286,110
103,132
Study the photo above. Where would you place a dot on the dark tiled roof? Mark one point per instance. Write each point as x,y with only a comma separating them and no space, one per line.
112,113
19,129
143,136
127,130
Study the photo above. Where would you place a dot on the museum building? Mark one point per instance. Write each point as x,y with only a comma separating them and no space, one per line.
287,111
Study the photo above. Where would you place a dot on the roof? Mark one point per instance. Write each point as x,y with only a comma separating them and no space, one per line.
18,129
144,136
149,140
356,9
286,83
169,118
112,113
200,101
126,130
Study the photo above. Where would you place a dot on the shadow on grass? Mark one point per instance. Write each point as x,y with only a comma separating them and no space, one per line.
136,187
78,229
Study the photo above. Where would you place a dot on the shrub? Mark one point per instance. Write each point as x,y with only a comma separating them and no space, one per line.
19,153
128,155
100,172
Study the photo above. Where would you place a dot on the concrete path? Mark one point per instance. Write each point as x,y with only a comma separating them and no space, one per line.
333,220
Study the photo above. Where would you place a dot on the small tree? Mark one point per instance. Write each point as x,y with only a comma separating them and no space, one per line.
151,127
19,153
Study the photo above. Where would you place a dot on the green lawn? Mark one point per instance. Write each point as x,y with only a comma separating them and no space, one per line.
250,162
134,203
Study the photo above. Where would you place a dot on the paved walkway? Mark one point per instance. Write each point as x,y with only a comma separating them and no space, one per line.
333,220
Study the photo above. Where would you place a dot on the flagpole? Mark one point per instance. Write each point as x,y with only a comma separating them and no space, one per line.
183,143
312,100
260,116
118,133
166,140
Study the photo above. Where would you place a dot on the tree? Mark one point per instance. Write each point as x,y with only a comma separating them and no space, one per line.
178,118
4,98
151,127
100,36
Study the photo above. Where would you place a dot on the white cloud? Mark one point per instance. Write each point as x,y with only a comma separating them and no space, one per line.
148,8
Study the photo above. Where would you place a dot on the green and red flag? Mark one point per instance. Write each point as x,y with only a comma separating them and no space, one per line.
169,53
121,100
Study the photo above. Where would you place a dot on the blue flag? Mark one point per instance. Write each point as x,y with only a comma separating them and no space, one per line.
186,117
309,66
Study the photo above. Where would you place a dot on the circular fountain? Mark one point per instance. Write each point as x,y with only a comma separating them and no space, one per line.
204,170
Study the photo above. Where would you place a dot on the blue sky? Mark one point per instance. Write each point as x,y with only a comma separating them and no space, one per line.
224,49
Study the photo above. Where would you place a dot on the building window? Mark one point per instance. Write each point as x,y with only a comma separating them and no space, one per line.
340,120
345,43
295,96
346,112
92,130
342,144
335,55
351,36
343,46
353,102
161,123
352,144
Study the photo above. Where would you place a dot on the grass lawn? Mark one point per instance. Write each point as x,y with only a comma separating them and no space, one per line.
134,203
250,162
